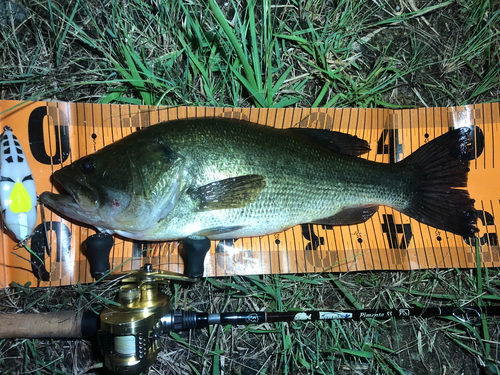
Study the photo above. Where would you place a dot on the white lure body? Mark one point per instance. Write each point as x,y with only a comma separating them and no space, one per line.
18,197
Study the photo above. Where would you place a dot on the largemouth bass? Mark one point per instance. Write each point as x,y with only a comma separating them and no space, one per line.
226,179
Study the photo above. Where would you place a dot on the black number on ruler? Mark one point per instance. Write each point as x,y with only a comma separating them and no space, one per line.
221,253
490,238
220,248
39,247
313,257
309,235
139,248
392,230
36,137
388,143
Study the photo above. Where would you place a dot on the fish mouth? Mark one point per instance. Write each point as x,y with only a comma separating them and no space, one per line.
59,201
68,207
78,198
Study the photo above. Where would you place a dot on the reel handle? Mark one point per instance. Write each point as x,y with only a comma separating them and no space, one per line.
98,247
196,248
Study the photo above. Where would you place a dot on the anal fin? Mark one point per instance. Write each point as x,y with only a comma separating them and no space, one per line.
218,230
349,216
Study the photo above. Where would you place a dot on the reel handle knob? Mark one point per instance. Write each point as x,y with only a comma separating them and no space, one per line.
196,248
98,248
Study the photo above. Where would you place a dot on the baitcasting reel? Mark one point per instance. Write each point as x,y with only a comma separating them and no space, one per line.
129,334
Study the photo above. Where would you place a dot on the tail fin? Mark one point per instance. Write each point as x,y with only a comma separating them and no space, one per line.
441,168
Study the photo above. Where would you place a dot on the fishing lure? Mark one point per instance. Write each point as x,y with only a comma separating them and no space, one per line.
18,197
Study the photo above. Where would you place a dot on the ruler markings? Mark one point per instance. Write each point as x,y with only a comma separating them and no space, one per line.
478,118
266,252
299,255
358,257
493,238
389,246
461,261
335,113
302,254
107,122
357,233
394,123
423,118
452,254
294,245
324,119
114,117
354,244
293,240
376,257
76,256
403,253
444,256
359,240
369,137
337,239
50,264
485,117
488,257
348,251
257,118
124,267
276,236
52,114
324,238
72,115
494,124
424,247
252,254
101,123
369,243
273,255
430,238
337,232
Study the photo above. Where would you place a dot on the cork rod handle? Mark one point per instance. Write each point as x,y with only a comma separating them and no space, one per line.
61,324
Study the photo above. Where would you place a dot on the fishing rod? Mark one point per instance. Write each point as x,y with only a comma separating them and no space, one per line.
129,333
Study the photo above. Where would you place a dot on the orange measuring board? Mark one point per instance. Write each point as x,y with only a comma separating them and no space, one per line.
53,135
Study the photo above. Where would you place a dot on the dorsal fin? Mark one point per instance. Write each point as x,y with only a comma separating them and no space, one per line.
341,143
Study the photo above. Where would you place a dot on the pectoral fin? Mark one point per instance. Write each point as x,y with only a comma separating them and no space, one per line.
234,192
349,216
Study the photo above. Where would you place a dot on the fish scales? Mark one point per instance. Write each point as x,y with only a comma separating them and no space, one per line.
227,179
304,182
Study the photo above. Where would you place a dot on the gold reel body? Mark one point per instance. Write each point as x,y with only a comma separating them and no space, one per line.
130,331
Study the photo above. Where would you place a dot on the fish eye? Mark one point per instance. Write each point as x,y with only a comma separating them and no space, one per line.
87,165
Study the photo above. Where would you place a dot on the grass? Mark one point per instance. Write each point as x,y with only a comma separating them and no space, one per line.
267,54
